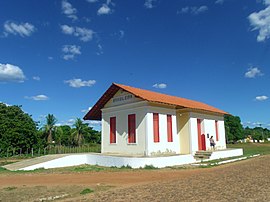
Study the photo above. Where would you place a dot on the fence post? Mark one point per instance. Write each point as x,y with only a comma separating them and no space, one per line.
39,151
20,151
7,152
32,151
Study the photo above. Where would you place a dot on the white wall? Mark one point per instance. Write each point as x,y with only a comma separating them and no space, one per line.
208,127
163,147
193,135
134,162
121,113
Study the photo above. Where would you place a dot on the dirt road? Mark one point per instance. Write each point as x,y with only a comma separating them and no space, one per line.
247,180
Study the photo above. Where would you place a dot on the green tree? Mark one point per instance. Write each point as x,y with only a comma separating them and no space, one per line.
92,136
63,135
17,129
50,127
233,128
80,130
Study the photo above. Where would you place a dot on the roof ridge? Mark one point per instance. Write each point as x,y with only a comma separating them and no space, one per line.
150,96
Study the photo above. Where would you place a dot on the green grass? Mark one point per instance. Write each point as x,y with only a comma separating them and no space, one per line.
9,188
252,148
86,191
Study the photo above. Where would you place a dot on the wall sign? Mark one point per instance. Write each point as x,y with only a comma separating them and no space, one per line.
122,98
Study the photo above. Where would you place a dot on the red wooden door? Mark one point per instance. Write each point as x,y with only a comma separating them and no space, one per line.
203,142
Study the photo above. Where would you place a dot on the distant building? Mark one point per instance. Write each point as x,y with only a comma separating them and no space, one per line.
139,122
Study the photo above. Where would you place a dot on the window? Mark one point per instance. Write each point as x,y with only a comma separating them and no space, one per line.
113,130
132,128
156,127
169,128
216,127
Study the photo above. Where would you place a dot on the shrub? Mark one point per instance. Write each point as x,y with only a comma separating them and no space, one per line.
149,167
86,191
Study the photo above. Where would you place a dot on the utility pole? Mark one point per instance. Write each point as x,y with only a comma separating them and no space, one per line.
262,131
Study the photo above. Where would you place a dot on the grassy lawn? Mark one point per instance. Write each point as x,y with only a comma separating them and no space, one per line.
252,148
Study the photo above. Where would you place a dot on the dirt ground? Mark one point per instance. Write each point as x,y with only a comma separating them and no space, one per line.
248,180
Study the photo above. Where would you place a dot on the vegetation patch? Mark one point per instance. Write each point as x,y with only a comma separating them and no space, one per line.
89,168
9,188
150,167
250,149
126,167
86,191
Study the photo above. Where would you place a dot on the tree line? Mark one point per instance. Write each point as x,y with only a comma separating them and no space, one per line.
18,130
235,131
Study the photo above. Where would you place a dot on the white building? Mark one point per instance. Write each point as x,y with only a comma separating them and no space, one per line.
138,122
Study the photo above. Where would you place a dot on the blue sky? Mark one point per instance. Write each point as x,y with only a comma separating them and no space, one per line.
59,57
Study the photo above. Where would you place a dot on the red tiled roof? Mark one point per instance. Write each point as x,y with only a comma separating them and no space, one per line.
95,112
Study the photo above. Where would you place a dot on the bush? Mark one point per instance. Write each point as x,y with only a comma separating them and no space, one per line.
149,167
126,167
86,191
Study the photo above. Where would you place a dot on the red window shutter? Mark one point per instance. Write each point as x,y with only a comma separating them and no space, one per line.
169,128
156,127
216,126
113,130
199,134
131,128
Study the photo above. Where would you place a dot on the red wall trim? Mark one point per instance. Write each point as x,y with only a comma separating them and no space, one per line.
216,126
131,128
199,133
169,128
113,130
156,126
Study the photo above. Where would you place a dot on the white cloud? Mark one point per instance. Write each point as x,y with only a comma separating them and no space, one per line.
253,72
193,10
261,21
83,34
198,10
93,123
104,10
77,83
37,97
184,10
10,72
149,4
100,50
86,110
92,1
37,78
23,29
219,2
267,2
68,10
160,85
261,98
5,104
70,51
67,29
121,34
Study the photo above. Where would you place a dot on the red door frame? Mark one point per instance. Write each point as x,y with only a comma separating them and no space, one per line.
199,134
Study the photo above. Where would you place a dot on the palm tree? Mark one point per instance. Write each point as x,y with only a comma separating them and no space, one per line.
80,129
50,126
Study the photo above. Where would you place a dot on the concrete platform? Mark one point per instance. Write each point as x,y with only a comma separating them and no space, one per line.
117,161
